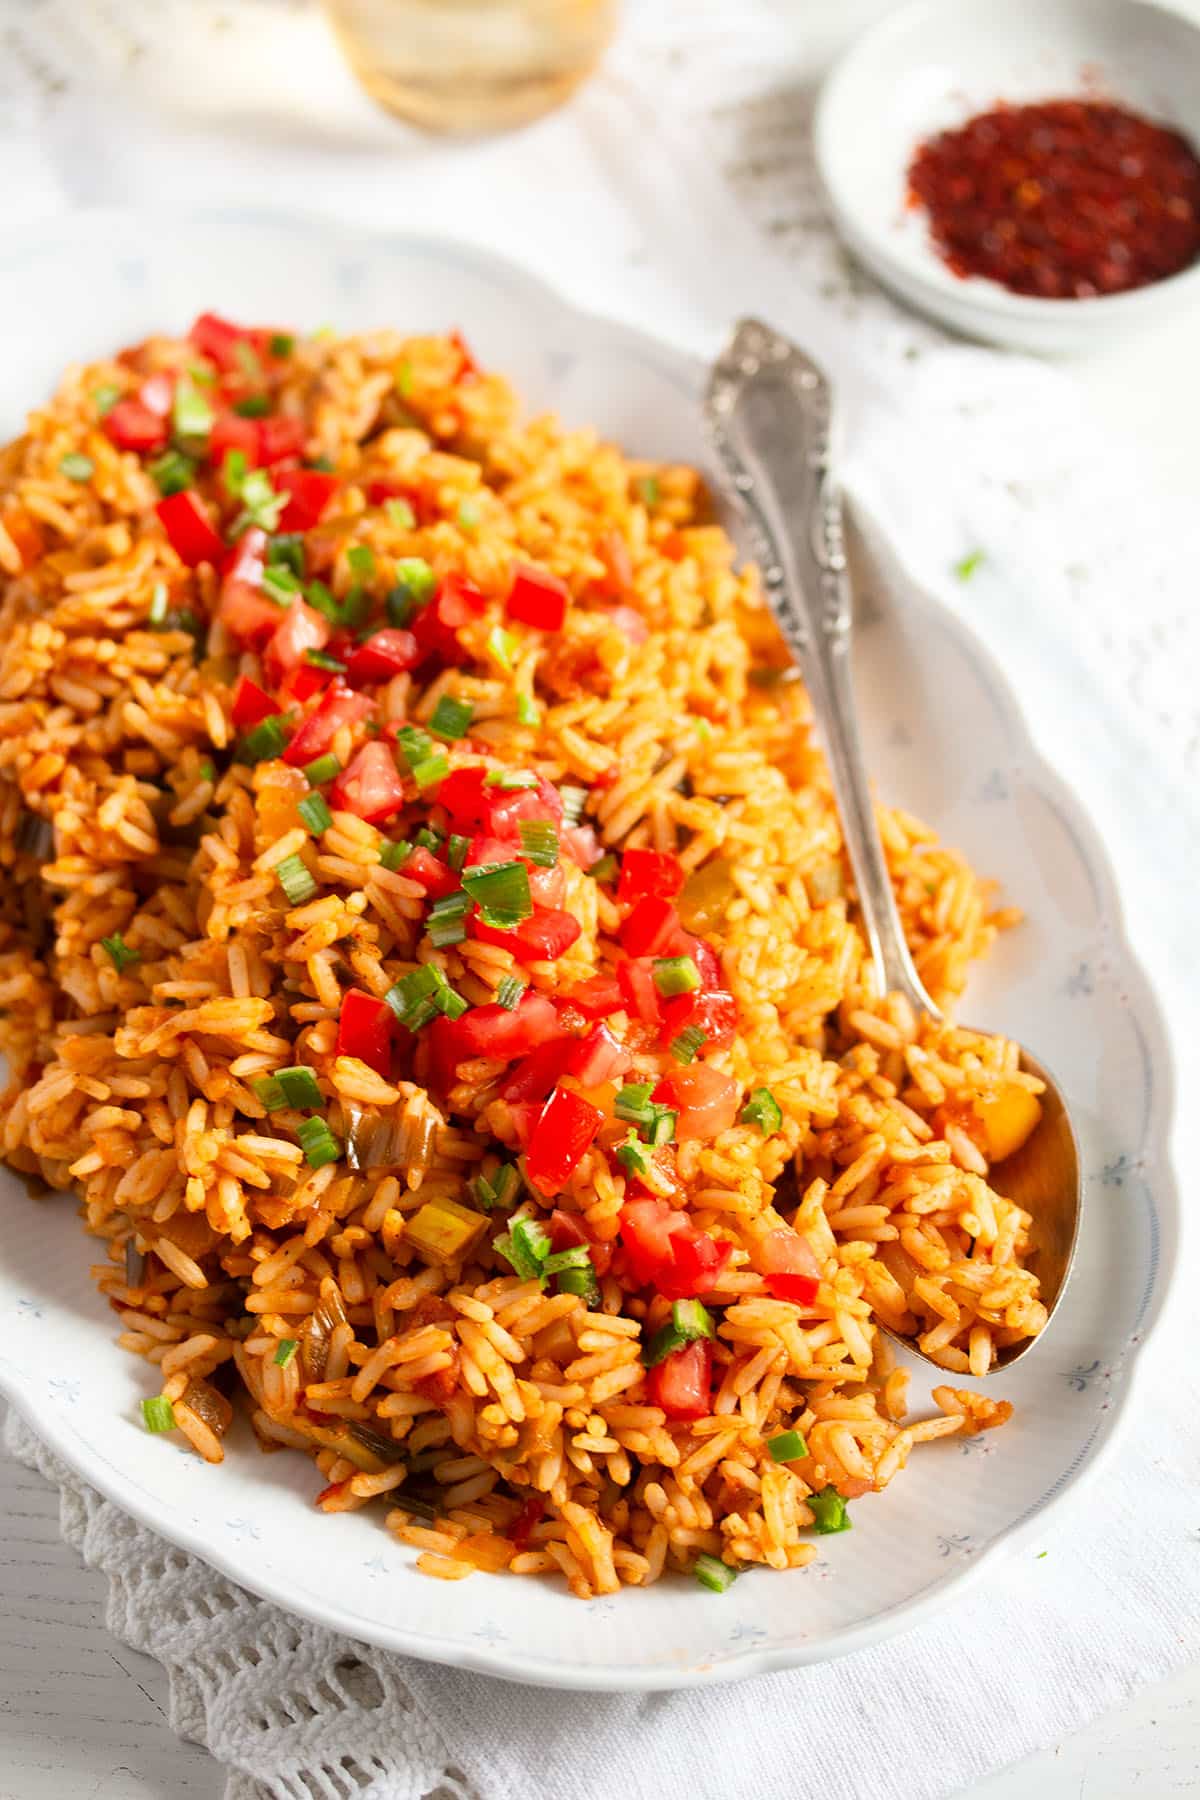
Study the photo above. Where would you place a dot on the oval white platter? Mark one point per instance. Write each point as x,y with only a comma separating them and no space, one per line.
946,740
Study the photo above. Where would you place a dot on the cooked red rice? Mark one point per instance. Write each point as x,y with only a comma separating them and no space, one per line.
462,1390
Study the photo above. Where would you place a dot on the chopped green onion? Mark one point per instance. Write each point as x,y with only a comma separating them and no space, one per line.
315,813
499,1190
299,1087
120,954
468,515
582,1282
76,467
762,1109
318,1143
284,1351
503,646
208,769
451,718
202,375
789,1446
261,505
286,550
325,464
322,769
967,567
415,584
527,711
266,740
269,1092
247,359
293,877
509,992
633,1102
829,1512
632,1156
539,842
421,994
577,1256
254,406
689,1321
433,769
604,870
355,607
661,1127
282,343
648,490
158,1414
510,781
430,839
157,614
502,893
280,584
400,513
233,472
675,975
191,415
456,850
322,601
404,379
414,744
172,472
446,923
574,799
688,1045
361,558
105,397
525,1247
713,1574
394,855
321,659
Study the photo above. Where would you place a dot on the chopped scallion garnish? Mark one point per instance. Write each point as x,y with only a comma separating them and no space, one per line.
299,1086
294,878
429,839
688,1045
502,645
392,855
689,1320
509,992
633,1102
315,813
451,718
191,415
421,994
415,584
284,1351
157,615
574,799
648,490
76,467
499,1189
789,1446
446,923
675,975
456,850
400,513
322,769
661,1126
172,472
713,1574
280,584
539,842
414,744
762,1109
582,1282
430,771
502,892
282,343
254,406
318,1143
510,781
829,1511
526,1248
261,505
119,952
266,740
632,1156
286,549
321,659
361,558
527,711
468,516
576,1256
158,1414
105,397
605,869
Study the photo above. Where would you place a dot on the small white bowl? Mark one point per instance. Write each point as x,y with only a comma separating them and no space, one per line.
934,64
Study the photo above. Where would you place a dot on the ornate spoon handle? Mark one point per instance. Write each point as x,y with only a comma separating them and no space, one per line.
768,412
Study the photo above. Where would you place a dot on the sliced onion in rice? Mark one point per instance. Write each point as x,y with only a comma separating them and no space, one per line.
374,1140
315,1334
209,1406
705,895
135,1263
34,835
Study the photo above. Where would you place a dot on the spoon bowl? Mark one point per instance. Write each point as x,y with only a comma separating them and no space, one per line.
769,414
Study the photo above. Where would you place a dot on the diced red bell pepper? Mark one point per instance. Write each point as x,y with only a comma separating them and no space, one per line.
218,339
231,432
365,1028
699,1260
639,996
496,1032
281,435
437,625
157,394
596,998
189,528
384,654
581,842
791,1268
309,493
682,1383
468,368
132,426
301,629
304,681
705,1099
243,607
250,703
537,598
665,1251
430,872
536,1074
370,786
475,808
338,707
650,928
648,873
543,937
715,1014
563,1133
598,1057
568,1229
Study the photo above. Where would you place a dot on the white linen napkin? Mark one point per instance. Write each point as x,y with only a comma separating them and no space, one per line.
677,190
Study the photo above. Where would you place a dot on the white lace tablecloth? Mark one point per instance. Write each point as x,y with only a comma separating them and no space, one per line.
678,190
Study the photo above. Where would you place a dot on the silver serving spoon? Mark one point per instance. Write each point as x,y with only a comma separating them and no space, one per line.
768,412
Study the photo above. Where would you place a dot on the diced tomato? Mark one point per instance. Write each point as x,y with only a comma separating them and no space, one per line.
380,492
436,627
474,807
370,786
301,629
596,998
581,842
281,435
537,598
650,927
309,491
231,432
714,1013
650,874
524,1115
218,338
430,872
705,1100
25,533
546,886
563,1133
665,1251
157,394
640,997
338,707
384,654
189,529
613,552
682,1383
543,937
536,1074
243,606
568,1229
702,954
304,681
468,368
250,703
132,426
496,1032
521,1529
699,1260
598,1057
365,1027
440,1385
790,1266
630,623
